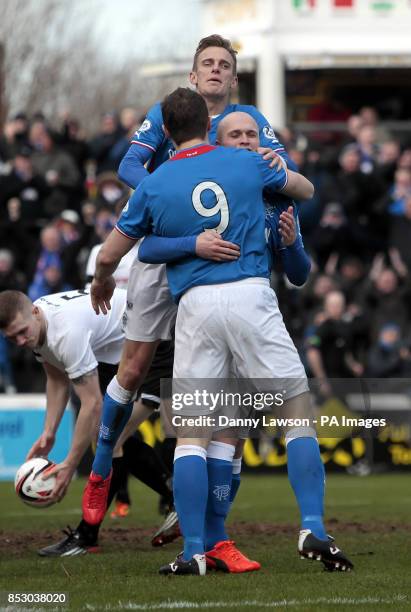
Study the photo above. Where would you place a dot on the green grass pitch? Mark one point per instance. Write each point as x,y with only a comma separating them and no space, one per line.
370,518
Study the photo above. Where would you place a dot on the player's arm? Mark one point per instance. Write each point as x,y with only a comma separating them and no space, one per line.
88,390
294,259
289,183
143,146
207,245
57,395
268,138
297,186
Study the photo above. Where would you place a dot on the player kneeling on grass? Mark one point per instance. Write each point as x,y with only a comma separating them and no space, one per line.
75,346
216,326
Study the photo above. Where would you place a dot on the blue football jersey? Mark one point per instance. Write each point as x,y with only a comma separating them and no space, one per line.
200,188
151,137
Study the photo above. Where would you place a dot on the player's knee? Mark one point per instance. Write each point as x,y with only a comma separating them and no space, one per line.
131,374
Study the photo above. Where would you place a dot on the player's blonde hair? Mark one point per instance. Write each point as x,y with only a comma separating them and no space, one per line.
11,303
215,40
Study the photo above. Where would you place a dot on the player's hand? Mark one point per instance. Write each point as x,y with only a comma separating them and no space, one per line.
101,293
287,227
42,446
63,473
277,161
210,245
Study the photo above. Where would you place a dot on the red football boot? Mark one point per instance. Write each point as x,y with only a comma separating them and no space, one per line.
227,558
95,498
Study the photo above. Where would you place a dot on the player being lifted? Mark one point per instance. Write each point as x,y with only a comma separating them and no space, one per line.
150,309
217,324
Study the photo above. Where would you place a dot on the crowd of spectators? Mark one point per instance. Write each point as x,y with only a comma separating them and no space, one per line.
59,193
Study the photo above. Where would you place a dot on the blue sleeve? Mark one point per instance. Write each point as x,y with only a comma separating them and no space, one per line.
159,249
296,263
143,146
268,137
131,169
135,220
273,179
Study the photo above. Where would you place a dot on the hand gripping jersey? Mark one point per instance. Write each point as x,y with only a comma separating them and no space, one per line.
77,339
206,187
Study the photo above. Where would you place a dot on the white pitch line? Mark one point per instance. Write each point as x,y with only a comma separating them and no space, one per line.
204,605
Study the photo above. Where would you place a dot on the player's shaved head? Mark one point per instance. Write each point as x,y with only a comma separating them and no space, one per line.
11,303
185,115
238,129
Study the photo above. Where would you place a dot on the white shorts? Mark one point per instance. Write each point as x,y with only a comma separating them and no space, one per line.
151,312
236,327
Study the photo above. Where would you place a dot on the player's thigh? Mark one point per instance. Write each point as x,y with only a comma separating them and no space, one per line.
150,311
261,345
201,350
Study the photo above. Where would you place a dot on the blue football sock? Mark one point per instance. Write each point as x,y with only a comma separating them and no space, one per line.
306,476
218,506
190,484
235,480
113,420
235,485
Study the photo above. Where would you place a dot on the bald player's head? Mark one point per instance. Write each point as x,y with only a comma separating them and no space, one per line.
238,130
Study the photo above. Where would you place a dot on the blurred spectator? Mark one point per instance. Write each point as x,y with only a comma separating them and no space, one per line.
73,142
400,233
387,294
6,373
354,124
57,168
389,356
22,182
10,278
76,240
110,190
369,117
102,146
329,344
48,273
367,148
387,160
14,137
335,235
405,160
16,236
313,294
393,202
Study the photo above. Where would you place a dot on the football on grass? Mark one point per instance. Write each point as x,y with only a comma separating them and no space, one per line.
30,486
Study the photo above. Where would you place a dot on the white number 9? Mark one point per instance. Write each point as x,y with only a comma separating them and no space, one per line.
221,205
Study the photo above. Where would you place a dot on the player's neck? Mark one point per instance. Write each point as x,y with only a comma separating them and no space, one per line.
195,142
216,106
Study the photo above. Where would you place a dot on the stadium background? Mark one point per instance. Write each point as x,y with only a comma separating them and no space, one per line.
333,78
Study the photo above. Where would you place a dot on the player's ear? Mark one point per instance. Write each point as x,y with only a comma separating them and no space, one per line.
234,82
166,132
35,310
193,78
208,124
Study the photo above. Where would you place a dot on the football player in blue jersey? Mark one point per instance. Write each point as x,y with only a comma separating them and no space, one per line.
150,309
286,247
218,188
